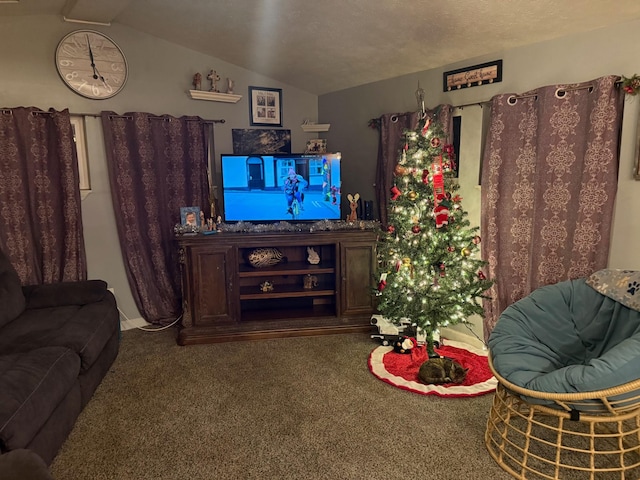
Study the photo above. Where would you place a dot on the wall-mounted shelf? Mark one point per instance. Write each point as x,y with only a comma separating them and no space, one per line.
214,96
316,127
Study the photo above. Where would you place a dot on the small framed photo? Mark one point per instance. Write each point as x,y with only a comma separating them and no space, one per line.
190,216
316,145
265,106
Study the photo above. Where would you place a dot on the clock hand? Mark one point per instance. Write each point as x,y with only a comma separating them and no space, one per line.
93,63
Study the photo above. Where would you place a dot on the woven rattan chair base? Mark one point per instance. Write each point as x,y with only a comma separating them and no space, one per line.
538,442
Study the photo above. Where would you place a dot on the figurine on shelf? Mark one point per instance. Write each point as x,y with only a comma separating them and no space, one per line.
214,78
197,81
310,281
266,286
353,204
313,258
230,84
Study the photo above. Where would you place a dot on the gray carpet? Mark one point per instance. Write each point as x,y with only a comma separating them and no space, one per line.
295,408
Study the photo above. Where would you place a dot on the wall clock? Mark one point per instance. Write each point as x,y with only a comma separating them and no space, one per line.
91,64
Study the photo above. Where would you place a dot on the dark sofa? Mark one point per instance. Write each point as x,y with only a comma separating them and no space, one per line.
57,342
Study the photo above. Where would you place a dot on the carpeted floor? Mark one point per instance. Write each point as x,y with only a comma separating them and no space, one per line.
295,408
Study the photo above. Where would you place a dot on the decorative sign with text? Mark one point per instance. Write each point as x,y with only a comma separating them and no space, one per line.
483,74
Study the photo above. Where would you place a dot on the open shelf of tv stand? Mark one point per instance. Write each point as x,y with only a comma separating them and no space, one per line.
225,298
294,268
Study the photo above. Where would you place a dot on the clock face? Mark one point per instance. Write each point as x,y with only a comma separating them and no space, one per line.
91,64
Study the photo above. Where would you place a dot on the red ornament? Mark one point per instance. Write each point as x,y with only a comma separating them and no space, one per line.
427,124
415,229
442,267
457,199
476,240
425,176
448,149
442,215
381,285
391,229
435,141
395,193
481,275
451,249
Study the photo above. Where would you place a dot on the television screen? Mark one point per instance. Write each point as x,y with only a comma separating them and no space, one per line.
291,187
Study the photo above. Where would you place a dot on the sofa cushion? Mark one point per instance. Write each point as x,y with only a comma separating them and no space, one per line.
84,329
32,384
23,464
65,293
12,301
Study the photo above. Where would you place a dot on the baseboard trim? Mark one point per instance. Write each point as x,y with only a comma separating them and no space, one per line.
132,323
450,334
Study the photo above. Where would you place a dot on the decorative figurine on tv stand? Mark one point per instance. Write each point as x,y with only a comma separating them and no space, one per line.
353,204
313,258
309,281
266,286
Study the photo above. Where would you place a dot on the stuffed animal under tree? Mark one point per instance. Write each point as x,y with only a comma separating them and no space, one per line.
429,269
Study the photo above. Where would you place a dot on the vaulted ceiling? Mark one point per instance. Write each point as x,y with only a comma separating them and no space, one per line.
323,46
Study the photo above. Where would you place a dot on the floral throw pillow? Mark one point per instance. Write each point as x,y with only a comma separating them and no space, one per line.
621,285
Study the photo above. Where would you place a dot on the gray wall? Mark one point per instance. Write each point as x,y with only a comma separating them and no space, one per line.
571,59
160,74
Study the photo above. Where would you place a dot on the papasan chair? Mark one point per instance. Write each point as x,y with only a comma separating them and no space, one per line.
567,361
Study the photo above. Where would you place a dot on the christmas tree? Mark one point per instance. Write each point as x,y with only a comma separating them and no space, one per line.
430,272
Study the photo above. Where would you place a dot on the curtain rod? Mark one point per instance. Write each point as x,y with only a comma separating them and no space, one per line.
97,115
8,111
559,91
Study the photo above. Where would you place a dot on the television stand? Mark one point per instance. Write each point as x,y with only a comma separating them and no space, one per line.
227,299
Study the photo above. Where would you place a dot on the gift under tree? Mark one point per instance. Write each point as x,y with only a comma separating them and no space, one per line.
430,271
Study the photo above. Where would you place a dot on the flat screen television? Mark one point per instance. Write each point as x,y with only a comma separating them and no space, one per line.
281,187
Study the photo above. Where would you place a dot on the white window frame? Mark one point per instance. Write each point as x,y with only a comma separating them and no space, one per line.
80,139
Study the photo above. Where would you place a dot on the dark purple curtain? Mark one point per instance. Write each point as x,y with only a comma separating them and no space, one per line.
549,181
157,164
392,127
40,196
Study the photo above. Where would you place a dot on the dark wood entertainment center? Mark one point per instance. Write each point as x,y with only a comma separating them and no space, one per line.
223,300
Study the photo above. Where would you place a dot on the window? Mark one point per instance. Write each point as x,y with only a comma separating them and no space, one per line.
315,167
77,126
285,165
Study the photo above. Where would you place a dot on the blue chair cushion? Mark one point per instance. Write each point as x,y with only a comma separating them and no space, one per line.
567,338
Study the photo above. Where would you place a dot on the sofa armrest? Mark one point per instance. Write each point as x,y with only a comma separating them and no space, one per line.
65,293
23,464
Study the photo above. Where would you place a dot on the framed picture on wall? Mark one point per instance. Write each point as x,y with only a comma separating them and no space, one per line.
265,106
316,145
248,141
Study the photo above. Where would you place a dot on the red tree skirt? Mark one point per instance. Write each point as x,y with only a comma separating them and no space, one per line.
401,370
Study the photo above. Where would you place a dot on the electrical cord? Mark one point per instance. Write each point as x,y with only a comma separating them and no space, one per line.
146,329
484,345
